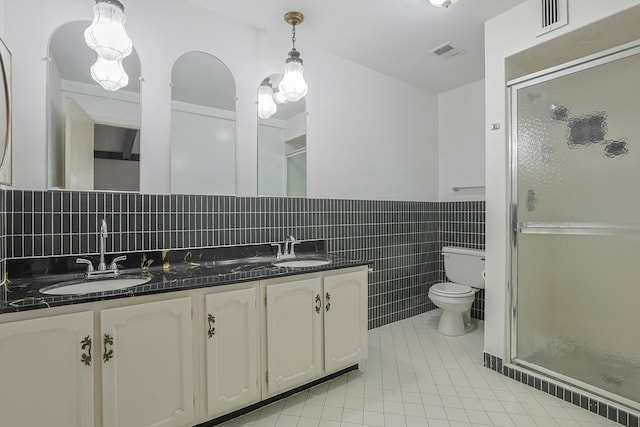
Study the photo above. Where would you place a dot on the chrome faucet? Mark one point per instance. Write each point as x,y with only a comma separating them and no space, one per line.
102,266
289,243
102,269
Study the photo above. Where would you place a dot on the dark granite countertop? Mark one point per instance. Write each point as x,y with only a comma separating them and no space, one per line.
169,271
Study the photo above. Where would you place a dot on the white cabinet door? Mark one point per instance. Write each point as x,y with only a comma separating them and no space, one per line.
345,320
46,376
147,371
294,333
232,354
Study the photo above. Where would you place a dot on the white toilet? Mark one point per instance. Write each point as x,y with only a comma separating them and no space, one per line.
465,268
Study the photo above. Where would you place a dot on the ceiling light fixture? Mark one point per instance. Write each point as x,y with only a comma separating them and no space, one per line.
293,86
442,3
106,34
266,106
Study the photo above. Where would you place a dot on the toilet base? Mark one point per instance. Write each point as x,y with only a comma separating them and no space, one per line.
454,323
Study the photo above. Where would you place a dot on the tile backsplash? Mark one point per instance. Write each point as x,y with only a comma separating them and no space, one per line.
3,245
401,239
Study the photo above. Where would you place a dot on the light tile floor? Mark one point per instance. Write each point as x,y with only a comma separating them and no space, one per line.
415,377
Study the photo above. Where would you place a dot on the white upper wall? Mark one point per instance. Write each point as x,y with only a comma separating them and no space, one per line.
371,136
461,142
506,35
2,20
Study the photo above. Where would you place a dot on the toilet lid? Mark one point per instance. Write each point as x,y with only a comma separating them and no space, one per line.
449,288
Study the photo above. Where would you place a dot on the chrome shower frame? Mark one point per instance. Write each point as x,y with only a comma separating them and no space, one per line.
516,228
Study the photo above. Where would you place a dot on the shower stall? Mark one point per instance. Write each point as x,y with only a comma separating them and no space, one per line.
575,224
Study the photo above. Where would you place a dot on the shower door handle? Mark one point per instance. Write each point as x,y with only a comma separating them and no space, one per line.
578,228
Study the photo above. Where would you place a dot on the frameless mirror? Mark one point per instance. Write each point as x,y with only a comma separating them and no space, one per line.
93,134
282,149
203,127
5,115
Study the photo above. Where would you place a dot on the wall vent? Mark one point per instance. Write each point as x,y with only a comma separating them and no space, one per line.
446,50
553,15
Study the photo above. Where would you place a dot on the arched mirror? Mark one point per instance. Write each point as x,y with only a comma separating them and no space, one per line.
203,126
282,147
93,133
5,114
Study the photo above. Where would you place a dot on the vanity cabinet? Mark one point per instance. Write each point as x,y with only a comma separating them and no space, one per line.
232,359
143,361
314,327
294,333
345,320
148,364
142,355
46,371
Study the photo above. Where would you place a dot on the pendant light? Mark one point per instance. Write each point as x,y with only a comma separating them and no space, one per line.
293,86
442,3
279,97
266,106
106,34
109,74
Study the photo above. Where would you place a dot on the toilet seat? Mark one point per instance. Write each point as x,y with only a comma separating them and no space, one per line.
455,290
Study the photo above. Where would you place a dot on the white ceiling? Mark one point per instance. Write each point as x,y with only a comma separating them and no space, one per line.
391,36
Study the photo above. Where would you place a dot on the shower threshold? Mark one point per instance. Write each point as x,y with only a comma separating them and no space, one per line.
622,386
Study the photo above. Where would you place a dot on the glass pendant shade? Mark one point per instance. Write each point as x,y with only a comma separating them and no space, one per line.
293,85
106,34
442,3
266,106
109,74
280,97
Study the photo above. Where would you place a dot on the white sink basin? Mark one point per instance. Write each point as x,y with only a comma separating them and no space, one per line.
87,286
302,263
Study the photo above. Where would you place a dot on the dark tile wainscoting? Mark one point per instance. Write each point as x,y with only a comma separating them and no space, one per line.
462,224
401,239
3,245
561,390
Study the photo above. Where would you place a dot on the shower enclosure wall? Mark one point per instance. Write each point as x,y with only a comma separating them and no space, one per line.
575,162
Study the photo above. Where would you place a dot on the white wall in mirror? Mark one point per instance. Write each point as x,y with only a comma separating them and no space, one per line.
282,149
203,126
370,136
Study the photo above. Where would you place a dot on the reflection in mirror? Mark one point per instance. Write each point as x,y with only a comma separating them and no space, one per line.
282,149
5,115
203,127
93,134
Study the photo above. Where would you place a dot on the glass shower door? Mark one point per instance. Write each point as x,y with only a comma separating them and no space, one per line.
576,195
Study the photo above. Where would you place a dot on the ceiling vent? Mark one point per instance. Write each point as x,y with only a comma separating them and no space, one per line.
446,51
553,15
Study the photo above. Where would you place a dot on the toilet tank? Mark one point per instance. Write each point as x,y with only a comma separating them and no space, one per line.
464,266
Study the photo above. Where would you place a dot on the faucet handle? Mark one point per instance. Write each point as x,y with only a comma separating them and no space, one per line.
114,263
277,245
85,261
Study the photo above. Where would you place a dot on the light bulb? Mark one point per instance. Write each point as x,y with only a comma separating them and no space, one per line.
266,106
109,74
280,97
106,34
